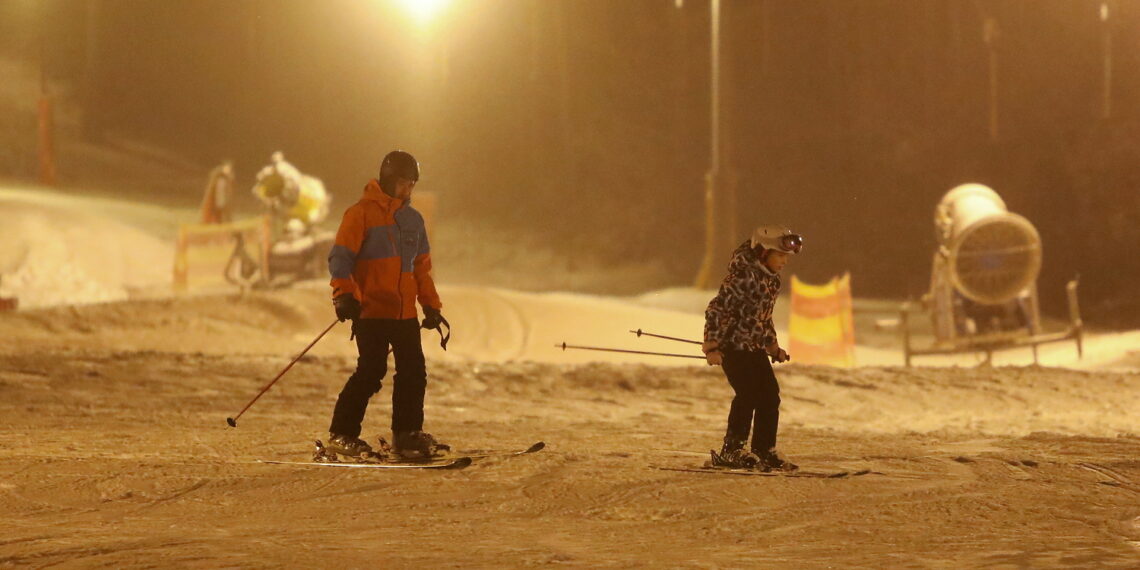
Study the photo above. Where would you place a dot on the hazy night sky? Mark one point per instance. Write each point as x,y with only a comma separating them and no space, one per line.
589,119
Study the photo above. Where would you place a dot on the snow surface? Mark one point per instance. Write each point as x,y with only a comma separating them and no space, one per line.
58,250
115,450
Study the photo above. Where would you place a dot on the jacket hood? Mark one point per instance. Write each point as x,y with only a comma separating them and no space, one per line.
372,191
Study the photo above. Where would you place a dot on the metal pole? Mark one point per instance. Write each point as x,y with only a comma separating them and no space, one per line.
991,37
714,35
705,273
565,346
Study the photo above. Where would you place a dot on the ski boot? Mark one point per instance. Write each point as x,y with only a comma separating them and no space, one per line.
349,446
772,460
733,455
417,445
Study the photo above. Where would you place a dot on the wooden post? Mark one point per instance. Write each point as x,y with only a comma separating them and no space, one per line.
1075,323
46,146
904,320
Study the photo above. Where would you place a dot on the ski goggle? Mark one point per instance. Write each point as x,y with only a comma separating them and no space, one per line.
791,243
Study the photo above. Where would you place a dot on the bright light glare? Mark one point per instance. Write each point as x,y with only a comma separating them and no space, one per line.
423,11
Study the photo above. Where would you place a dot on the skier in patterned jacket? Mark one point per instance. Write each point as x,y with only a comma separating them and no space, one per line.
739,336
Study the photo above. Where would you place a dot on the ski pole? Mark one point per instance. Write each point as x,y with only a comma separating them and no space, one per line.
640,333
565,346
233,421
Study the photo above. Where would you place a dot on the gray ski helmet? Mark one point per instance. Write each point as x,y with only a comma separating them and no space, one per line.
398,164
778,238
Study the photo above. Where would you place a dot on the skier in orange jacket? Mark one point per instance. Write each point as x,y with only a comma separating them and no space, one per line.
380,266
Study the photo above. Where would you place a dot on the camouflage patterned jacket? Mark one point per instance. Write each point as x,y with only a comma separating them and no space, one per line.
740,316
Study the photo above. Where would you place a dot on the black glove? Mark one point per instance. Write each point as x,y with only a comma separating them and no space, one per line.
781,355
432,318
347,307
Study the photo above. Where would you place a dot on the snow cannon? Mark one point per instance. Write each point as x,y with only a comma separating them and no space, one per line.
991,254
983,283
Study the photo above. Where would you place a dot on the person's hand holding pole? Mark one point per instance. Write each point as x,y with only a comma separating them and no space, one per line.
713,355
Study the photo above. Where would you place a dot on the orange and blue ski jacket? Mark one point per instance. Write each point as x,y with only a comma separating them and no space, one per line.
382,257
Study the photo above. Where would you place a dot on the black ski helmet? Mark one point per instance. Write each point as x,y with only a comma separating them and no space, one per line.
398,164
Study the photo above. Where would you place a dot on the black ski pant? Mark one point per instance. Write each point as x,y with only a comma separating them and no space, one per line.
373,336
757,400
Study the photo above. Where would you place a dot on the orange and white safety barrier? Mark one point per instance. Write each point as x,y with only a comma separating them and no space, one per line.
821,325
202,252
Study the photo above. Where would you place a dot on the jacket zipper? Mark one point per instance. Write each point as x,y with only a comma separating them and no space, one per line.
400,254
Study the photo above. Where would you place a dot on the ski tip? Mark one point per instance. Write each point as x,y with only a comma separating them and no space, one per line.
458,463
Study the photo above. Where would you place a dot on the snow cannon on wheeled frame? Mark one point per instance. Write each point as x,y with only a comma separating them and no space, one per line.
983,282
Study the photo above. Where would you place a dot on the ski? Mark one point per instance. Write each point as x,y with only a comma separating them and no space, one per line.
749,472
482,454
458,463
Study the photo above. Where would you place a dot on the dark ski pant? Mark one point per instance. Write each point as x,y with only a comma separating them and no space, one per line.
757,400
373,336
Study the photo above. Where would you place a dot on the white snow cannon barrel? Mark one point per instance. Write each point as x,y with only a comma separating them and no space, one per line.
992,255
